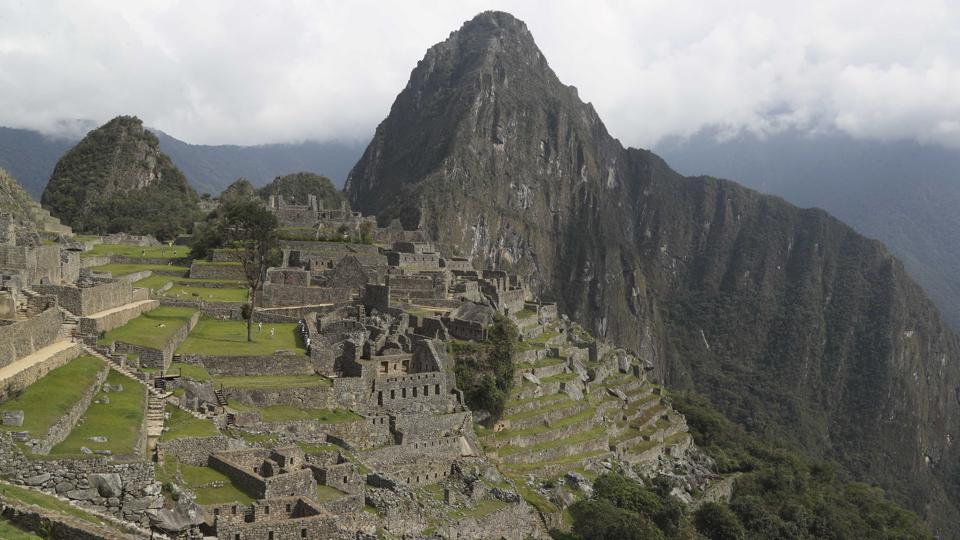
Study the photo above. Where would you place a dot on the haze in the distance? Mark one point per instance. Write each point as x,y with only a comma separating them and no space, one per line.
256,72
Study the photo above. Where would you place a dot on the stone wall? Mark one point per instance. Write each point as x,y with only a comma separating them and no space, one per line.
408,389
253,365
124,490
199,270
33,373
319,526
93,326
88,300
39,264
195,450
27,336
277,295
429,427
313,397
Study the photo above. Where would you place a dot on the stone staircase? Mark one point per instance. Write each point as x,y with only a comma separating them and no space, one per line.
155,420
161,395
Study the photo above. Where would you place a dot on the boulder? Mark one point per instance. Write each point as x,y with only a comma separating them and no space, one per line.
98,439
85,450
107,484
82,494
532,378
64,487
21,436
37,480
179,518
618,393
13,418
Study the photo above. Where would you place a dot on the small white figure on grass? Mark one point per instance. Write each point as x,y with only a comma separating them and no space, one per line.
272,332
260,326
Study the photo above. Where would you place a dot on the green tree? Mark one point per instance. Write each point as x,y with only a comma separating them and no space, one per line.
717,522
249,231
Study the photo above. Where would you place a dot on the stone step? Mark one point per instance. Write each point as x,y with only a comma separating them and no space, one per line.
522,405
544,415
594,440
563,428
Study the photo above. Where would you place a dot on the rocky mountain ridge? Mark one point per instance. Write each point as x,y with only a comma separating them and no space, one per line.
797,326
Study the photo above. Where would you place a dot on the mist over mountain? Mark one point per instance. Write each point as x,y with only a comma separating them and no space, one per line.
903,193
30,157
797,326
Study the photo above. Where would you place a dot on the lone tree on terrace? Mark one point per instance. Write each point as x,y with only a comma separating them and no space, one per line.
250,231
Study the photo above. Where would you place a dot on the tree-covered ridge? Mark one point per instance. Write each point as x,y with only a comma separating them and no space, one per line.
117,179
778,493
295,188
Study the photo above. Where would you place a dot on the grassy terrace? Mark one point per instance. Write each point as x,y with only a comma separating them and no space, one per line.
229,338
552,405
190,371
595,433
561,377
572,461
152,252
543,362
47,400
559,424
146,330
124,269
327,493
542,399
194,289
272,381
194,477
120,421
287,413
183,425
47,502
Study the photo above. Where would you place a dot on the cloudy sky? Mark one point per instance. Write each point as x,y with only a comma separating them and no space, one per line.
257,72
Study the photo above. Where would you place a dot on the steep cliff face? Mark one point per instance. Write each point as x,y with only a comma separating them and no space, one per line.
792,322
117,179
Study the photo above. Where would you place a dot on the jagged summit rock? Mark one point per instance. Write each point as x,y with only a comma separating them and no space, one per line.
791,321
117,179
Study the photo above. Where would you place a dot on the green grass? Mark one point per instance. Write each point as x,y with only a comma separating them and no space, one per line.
562,377
9,531
484,508
190,371
145,330
212,337
193,476
550,406
273,381
287,413
210,263
47,400
209,294
524,468
559,424
120,421
327,493
45,501
182,425
159,280
124,269
595,433
152,252
541,399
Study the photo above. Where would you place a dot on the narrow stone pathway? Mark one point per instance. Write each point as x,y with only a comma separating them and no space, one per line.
38,357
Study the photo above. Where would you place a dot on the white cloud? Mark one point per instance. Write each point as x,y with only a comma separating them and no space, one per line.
255,72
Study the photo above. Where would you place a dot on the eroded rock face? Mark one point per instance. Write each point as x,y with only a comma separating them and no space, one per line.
792,322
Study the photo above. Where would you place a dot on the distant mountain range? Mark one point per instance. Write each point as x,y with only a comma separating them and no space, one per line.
902,193
29,156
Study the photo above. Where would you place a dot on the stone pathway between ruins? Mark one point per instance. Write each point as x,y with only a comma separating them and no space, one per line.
124,307
35,358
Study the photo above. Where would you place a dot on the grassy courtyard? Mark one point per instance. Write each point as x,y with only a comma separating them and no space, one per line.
47,400
195,289
190,371
120,420
181,424
194,477
151,329
287,413
213,337
117,270
152,252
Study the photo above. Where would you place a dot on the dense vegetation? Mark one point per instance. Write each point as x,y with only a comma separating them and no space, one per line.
484,370
295,187
117,180
778,494
13,199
